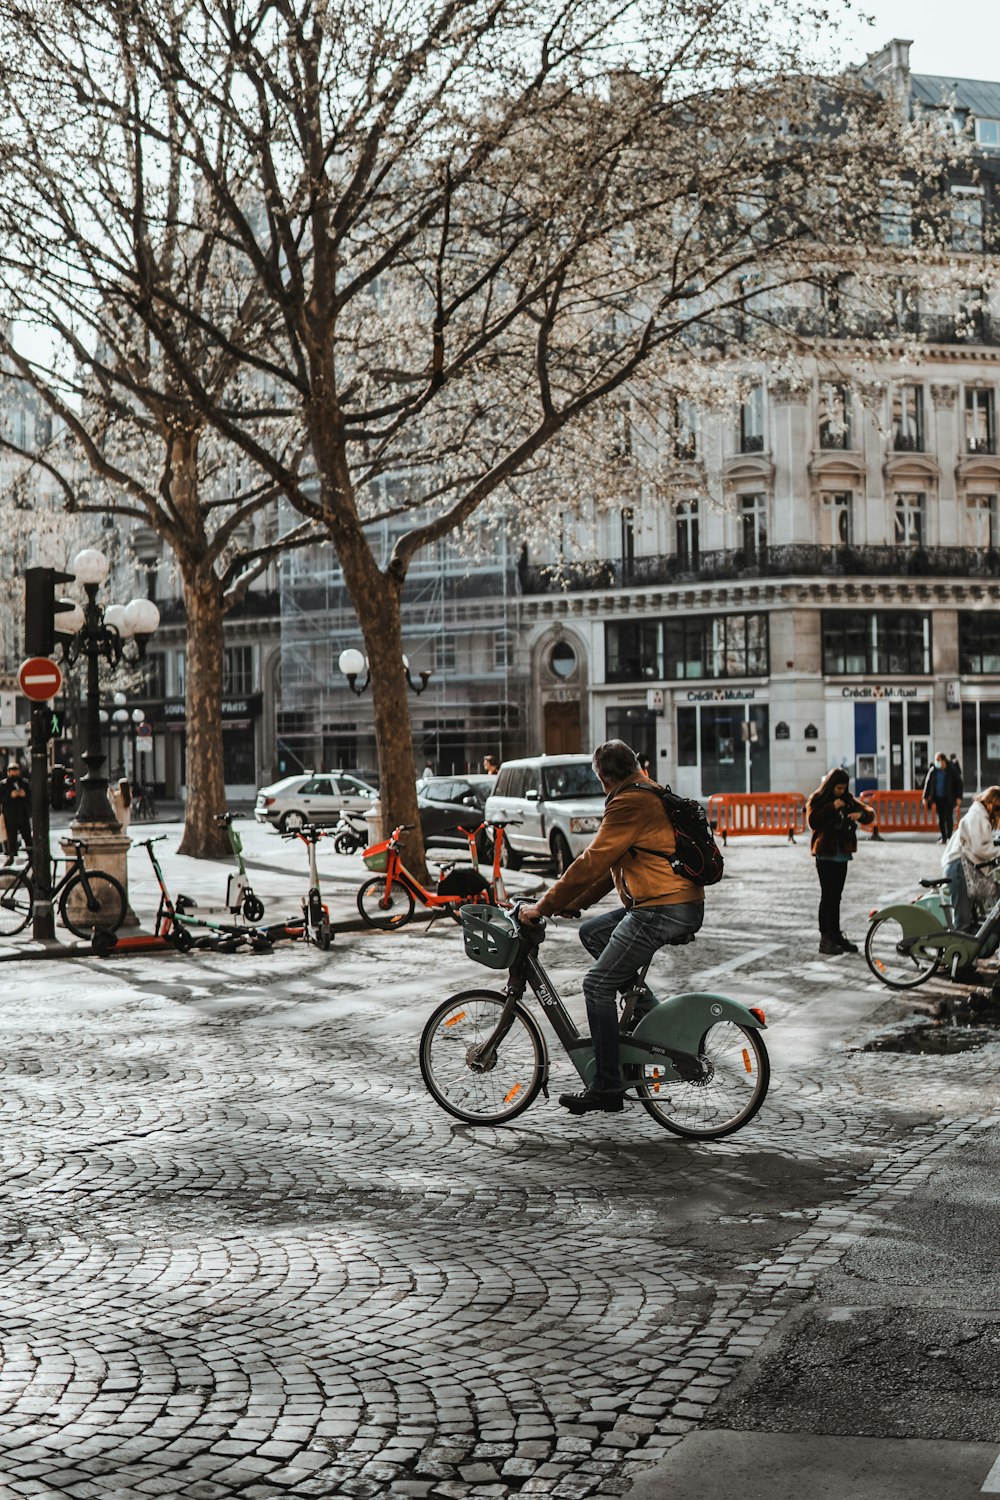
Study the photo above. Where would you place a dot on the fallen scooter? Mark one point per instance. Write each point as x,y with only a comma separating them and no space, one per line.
177,926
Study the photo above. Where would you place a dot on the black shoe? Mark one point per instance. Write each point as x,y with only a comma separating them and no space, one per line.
846,946
831,946
590,1099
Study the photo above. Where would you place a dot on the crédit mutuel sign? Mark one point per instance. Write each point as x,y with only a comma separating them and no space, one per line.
882,692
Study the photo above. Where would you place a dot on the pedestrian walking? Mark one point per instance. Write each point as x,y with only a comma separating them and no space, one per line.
969,852
941,791
15,805
833,815
490,766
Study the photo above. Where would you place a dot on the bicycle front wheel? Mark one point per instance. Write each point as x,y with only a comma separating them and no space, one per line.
737,1075
102,910
451,1070
382,908
889,960
16,901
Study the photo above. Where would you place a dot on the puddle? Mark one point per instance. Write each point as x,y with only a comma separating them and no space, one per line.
935,1038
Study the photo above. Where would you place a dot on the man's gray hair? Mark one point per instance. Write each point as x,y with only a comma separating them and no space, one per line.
614,761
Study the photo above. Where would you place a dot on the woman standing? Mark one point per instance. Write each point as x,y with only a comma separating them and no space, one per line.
833,815
969,850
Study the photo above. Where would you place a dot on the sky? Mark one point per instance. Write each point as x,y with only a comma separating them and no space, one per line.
956,38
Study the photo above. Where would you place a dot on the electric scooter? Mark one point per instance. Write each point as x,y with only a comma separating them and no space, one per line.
241,900
315,915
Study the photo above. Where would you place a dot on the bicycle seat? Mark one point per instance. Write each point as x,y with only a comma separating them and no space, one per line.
930,884
77,843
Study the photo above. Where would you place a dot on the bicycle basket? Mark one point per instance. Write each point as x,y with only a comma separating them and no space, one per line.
491,936
377,858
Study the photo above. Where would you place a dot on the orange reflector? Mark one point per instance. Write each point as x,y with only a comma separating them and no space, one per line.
874,910
513,1093
746,1060
454,1020
758,1014
880,965
656,1080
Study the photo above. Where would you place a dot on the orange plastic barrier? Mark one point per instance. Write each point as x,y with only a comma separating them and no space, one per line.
903,812
738,813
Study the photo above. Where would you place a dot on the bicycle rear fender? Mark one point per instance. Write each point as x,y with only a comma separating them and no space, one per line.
913,918
681,1021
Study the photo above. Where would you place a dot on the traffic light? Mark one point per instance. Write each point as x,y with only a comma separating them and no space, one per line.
40,609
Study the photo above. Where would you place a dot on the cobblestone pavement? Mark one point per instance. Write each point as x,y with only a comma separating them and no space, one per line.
244,1254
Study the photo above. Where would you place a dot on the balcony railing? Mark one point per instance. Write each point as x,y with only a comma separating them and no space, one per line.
795,561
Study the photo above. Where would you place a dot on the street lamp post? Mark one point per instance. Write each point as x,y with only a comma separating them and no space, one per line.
352,664
116,634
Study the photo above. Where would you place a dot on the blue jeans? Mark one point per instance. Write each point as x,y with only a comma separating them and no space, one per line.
962,913
623,942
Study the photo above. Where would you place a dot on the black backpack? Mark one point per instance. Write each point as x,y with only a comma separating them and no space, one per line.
697,856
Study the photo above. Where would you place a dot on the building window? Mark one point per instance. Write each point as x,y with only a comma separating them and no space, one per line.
752,421
981,511
910,510
887,642
988,133
966,218
685,429
237,671
627,537
503,651
154,674
896,216
716,646
837,513
834,417
443,652
180,669
908,419
686,517
633,651
979,642
979,429
753,527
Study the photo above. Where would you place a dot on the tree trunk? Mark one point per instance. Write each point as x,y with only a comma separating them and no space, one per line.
203,837
377,601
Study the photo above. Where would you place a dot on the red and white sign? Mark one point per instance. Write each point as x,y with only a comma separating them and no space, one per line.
39,679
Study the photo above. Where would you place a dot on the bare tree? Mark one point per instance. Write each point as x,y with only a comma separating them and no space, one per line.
91,243
467,228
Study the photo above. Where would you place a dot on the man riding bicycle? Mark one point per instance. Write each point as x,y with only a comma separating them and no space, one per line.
630,852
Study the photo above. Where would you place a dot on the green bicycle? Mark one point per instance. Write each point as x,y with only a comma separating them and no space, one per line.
696,1062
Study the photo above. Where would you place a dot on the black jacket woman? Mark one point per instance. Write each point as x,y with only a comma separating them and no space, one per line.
833,815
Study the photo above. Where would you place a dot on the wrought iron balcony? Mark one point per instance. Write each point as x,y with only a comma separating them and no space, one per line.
794,561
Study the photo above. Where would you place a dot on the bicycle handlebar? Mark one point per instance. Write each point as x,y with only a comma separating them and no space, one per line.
155,839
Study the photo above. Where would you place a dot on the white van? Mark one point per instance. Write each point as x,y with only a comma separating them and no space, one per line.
559,801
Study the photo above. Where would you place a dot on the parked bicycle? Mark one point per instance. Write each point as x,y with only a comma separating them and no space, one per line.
907,944
389,898
315,914
696,1062
143,806
88,900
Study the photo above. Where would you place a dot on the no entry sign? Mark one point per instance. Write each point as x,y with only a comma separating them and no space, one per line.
39,679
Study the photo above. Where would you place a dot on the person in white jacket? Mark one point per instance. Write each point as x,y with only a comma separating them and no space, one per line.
972,844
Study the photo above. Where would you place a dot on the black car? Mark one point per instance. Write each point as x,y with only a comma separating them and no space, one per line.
447,801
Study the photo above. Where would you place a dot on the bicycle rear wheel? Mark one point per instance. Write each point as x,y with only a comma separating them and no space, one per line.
102,911
16,901
454,1032
382,909
738,1073
894,965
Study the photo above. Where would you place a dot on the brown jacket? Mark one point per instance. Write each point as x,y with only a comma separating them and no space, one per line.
633,817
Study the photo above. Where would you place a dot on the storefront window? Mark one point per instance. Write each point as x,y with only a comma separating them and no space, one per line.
887,642
980,745
979,642
717,646
633,650
687,736
637,727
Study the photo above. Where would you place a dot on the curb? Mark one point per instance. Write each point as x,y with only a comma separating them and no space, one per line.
57,949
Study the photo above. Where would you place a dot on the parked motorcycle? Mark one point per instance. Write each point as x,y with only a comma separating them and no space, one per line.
350,834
